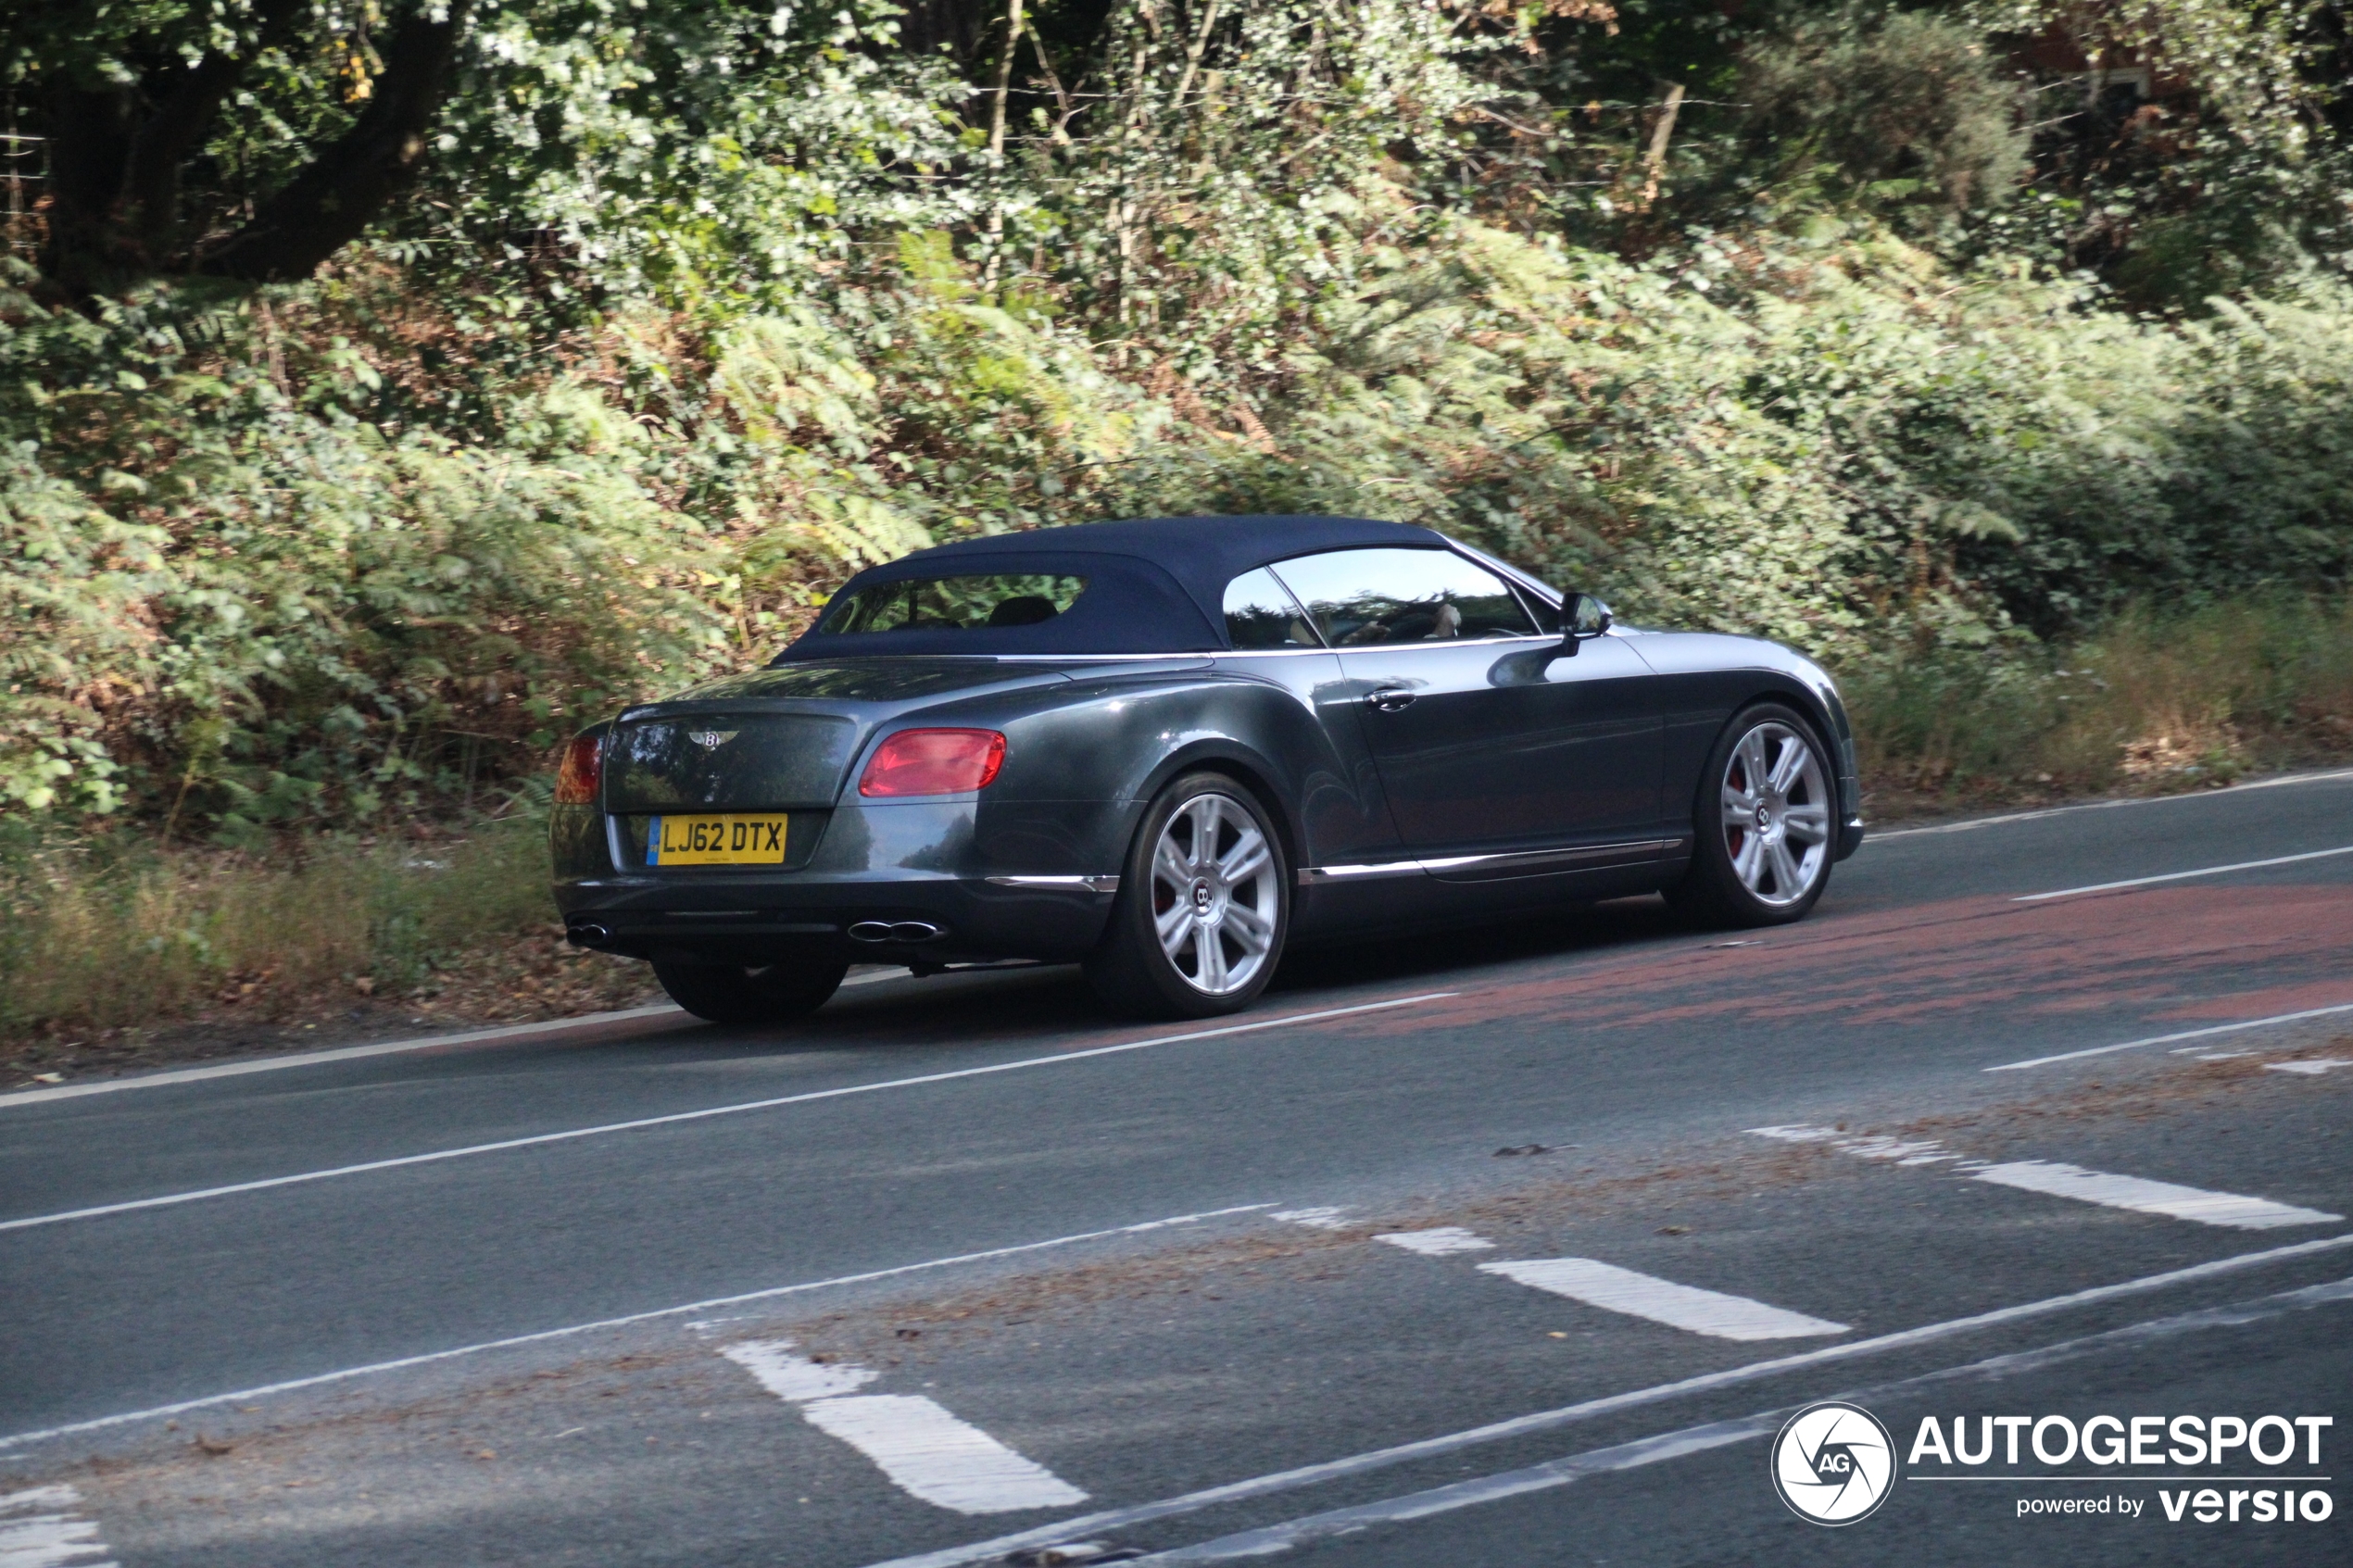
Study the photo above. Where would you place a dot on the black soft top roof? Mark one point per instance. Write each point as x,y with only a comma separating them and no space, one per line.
1153,585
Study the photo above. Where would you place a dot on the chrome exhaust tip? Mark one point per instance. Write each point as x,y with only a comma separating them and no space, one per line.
588,933
896,931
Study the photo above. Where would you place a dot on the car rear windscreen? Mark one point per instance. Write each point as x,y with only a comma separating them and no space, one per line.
952,604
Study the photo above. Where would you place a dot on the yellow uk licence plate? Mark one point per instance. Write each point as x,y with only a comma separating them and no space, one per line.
715,841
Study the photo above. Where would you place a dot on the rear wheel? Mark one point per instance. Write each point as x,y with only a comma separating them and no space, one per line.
1764,823
775,992
1204,906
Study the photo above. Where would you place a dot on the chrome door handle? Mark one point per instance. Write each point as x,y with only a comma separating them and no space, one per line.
1391,699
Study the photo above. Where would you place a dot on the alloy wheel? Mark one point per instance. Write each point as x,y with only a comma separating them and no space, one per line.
1776,815
1213,895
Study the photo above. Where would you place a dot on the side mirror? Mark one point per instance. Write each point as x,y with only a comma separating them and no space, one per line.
1583,618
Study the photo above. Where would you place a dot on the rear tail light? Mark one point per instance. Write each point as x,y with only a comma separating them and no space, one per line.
582,771
934,763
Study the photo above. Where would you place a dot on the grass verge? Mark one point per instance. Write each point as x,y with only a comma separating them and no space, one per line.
118,935
2157,701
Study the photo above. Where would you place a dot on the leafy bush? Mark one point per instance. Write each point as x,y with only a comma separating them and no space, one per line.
698,315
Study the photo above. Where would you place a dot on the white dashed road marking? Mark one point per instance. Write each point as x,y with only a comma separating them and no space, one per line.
2312,1068
42,1529
1320,1219
2058,1180
2151,1197
1677,1306
1438,1242
932,1455
923,1449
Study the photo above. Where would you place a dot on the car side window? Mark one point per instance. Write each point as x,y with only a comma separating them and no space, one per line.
1260,613
1369,598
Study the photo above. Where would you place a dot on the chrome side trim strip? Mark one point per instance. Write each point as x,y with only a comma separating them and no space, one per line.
1309,876
1501,865
1063,883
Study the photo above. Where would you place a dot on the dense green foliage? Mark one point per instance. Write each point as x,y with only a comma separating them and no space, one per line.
1867,337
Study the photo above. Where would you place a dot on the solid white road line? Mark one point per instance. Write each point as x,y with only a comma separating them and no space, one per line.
1439,1241
929,1453
2150,1197
923,1449
341,1053
41,1529
491,1037
2057,1180
1972,824
2169,1040
2183,876
246,1396
675,1118
1677,1306
1546,1420
1270,1539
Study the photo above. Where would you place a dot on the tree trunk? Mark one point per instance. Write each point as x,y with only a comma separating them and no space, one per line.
341,191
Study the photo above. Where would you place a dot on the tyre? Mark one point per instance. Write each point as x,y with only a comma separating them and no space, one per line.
775,992
1765,823
1204,906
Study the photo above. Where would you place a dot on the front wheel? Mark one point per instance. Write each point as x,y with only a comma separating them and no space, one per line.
775,992
1764,820
1204,906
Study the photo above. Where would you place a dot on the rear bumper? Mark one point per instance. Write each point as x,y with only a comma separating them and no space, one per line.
867,919
905,883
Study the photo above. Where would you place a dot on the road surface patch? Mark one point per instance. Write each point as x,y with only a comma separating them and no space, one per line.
2185,876
1883,835
293,1385
2169,1040
1644,1295
924,1450
675,1118
1278,1482
1268,1540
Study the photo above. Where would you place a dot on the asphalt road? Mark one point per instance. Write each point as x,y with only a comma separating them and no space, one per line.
961,1269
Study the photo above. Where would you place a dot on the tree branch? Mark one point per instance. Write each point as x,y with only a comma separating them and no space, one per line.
151,181
1005,79
343,189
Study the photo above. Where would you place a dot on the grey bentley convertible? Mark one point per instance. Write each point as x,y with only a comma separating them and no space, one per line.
1164,748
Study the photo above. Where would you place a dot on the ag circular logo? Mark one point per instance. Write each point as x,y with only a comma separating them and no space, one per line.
1833,1463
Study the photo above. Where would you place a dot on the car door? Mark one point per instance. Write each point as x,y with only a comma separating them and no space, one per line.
1487,741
